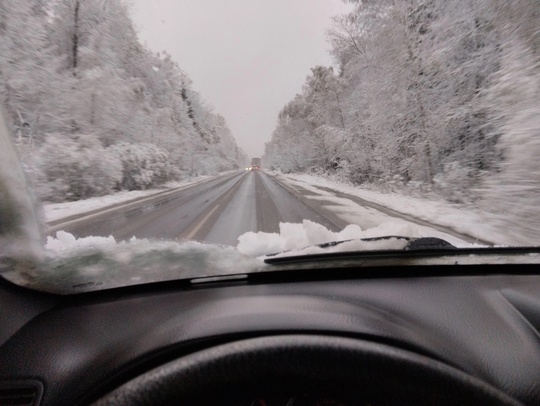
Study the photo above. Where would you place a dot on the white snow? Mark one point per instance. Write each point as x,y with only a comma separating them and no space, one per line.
93,263
292,237
57,211
301,239
90,263
67,241
466,221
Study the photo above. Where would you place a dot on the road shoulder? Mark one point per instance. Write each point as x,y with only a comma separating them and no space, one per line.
462,224
58,214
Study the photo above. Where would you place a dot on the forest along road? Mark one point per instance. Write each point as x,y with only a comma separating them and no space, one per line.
216,211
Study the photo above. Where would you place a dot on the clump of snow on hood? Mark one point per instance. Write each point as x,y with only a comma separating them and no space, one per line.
75,265
67,241
302,238
94,263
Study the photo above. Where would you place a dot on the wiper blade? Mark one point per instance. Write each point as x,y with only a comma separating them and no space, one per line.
334,243
421,243
433,256
429,243
413,244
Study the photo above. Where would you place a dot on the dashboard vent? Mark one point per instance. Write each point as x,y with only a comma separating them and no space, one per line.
20,393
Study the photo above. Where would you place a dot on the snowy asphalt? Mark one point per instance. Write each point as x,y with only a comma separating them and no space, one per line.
215,211
221,209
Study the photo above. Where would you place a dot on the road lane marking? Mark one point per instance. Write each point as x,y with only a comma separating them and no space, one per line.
203,221
85,218
207,217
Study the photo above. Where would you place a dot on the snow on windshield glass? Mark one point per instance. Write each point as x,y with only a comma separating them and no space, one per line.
165,135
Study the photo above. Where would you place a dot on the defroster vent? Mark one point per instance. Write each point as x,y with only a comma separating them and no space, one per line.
20,393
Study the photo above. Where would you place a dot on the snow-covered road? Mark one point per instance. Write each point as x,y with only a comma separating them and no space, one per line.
216,211
221,209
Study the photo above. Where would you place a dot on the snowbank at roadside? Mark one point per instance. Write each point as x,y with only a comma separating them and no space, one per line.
57,211
472,222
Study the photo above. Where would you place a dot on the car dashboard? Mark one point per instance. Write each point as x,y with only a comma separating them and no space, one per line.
72,350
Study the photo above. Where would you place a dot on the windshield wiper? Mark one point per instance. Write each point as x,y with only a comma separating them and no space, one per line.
418,245
428,243
432,249
421,243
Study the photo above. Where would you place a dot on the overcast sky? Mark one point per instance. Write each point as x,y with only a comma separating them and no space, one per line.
247,58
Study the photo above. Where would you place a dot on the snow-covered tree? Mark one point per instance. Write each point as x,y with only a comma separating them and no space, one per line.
513,191
438,93
410,99
73,169
74,70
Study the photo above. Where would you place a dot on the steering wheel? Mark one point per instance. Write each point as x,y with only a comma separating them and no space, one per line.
354,371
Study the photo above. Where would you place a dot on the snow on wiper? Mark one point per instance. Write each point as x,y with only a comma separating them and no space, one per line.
76,265
429,243
382,243
309,238
413,243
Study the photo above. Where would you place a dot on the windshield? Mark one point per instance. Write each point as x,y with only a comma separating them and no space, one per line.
144,141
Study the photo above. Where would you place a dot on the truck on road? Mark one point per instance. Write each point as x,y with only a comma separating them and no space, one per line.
255,164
